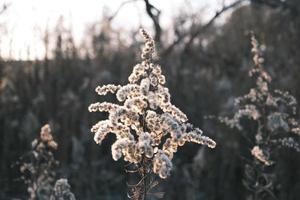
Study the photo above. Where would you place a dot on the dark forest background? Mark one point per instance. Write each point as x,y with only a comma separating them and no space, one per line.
206,66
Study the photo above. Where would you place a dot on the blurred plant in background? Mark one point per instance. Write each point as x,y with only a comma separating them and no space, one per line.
62,191
38,166
274,113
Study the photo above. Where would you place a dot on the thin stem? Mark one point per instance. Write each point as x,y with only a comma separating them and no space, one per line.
145,180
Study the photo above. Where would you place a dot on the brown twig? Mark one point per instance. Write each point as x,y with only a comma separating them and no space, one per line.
119,8
4,8
150,9
201,29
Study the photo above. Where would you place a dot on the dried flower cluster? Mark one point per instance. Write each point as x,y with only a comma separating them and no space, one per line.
38,171
146,124
45,141
62,191
274,114
258,154
273,110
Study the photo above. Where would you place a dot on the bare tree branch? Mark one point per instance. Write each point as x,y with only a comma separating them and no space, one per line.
151,11
4,8
119,8
195,33
154,14
211,21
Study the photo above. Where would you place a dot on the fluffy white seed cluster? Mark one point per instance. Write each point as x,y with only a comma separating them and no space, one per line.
145,122
259,155
46,140
107,88
62,191
249,111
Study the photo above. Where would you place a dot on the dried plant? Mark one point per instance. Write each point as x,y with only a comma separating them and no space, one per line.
274,114
62,191
38,165
148,128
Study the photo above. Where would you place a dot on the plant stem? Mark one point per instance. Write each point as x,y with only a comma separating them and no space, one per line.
145,180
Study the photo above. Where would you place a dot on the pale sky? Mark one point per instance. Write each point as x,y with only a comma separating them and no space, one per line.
23,24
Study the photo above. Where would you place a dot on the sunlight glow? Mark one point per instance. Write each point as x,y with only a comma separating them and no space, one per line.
23,25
